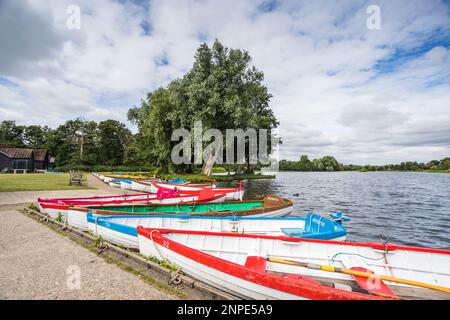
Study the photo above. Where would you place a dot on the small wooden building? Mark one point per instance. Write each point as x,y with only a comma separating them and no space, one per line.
23,159
40,159
16,158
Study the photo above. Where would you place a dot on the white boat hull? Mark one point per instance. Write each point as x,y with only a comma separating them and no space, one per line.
113,228
56,213
220,280
276,213
424,265
140,187
113,236
114,184
125,186
77,219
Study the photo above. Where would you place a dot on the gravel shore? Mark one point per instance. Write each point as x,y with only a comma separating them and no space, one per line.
37,263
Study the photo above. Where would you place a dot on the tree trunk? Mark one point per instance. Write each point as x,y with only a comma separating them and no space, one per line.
238,170
164,167
208,165
249,166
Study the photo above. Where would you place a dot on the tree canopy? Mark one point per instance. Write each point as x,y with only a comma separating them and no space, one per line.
221,89
76,142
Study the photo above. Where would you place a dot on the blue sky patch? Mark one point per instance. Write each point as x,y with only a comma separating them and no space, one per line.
401,56
109,100
268,6
331,73
6,82
147,27
163,60
203,36
436,82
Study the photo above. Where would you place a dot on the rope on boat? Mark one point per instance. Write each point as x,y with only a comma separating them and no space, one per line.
176,278
102,246
96,224
353,254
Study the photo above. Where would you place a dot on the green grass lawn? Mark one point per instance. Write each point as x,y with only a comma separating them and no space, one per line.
37,182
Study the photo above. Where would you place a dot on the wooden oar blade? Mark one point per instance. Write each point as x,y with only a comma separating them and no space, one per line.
256,263
373,285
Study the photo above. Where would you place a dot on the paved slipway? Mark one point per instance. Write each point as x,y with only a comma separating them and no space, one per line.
37,263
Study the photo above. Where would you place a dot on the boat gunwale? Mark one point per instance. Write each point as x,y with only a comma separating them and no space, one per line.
55,200
374,245
141,201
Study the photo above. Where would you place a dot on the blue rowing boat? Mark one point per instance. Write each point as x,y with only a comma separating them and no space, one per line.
122,229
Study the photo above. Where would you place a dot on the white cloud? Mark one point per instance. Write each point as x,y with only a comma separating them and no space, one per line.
321,63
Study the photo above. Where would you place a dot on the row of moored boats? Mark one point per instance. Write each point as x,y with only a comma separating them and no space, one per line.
251,248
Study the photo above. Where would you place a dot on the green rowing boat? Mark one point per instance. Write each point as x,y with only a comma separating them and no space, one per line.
271,206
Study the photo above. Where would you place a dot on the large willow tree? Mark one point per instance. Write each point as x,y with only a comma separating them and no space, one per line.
222,90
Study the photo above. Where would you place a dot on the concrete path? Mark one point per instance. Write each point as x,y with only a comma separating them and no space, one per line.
37,263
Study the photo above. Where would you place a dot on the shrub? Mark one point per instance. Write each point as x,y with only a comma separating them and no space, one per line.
102,168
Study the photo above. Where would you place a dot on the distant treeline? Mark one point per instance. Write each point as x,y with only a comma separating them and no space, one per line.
77,144
329,163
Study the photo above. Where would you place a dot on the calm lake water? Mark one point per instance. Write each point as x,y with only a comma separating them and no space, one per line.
407,207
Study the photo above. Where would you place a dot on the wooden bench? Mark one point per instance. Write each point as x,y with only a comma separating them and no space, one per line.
23,170
76,177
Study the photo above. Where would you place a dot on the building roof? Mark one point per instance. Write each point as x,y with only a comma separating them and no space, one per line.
39,154
17,153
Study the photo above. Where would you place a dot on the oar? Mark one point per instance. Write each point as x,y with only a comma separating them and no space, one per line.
361,290
359,274
380,288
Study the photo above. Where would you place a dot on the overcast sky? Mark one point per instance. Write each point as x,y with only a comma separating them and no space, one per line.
365,96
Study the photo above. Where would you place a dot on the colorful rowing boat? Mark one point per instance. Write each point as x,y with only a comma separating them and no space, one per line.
269,206
279,267
122,229
102,200
140,185
178,181
232,193
60,206
115,183
125,184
